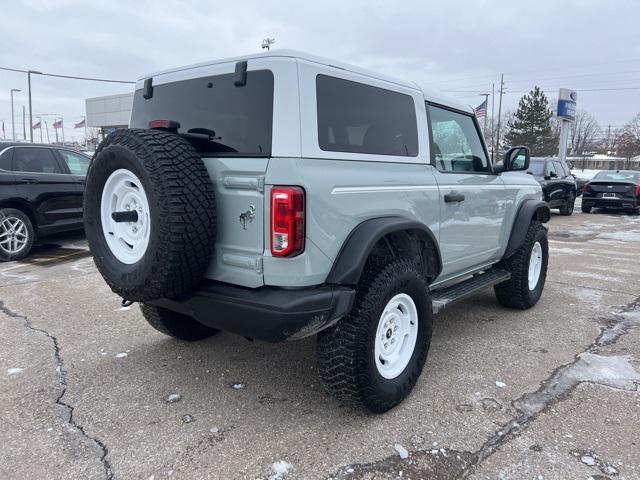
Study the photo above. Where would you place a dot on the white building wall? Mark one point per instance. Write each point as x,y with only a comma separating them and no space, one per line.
109,111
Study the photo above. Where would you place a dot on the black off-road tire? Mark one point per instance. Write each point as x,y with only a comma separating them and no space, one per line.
515,292
585,208
567,208
24,251
181,210
175,324
345,351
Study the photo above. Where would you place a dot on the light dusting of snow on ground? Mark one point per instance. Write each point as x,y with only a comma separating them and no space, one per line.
595,276
621,236
500,384
121,354
14,371
173,398
401,451
280,470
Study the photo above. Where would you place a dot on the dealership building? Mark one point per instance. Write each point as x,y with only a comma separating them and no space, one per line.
109,113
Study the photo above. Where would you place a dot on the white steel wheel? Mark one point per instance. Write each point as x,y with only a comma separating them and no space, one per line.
127,240
396,336
14,235
535,265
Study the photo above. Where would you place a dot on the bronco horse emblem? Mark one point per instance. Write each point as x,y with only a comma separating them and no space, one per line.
248,216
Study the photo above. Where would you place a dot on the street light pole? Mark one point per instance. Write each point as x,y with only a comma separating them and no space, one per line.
29,72
13,118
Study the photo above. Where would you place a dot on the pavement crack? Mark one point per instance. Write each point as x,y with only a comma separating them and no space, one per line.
61,375
587,367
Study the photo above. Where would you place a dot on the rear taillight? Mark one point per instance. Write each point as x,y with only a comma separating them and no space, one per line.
585,188
287,221
638,190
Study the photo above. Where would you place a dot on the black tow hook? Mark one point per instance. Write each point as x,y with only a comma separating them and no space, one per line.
126,216
127,303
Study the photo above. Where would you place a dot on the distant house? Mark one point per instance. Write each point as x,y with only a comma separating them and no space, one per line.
600,161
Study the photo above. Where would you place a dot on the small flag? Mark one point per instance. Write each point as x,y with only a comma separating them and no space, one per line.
481,110
80,124
36,126
57,124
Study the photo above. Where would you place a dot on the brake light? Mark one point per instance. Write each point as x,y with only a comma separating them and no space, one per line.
585,188
162,124
287,221
638,190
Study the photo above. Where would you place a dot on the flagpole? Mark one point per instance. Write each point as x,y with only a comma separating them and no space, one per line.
62,120
486,109
493,114
46,125
40,127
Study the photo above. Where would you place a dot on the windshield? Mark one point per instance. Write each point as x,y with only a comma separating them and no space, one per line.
618,176
220,117
536,168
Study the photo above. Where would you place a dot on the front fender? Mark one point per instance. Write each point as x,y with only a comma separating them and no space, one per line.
529,210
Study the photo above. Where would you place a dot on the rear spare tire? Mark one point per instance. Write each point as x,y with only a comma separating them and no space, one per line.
149,214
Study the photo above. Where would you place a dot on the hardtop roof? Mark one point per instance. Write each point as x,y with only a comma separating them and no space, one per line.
429,94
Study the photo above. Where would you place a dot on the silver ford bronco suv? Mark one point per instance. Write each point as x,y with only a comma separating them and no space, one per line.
279,195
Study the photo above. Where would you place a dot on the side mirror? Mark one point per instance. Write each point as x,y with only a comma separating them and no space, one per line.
516,159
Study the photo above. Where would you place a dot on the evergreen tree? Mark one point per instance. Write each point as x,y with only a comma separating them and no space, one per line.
531,125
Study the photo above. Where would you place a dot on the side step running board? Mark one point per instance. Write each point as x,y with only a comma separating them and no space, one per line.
450,295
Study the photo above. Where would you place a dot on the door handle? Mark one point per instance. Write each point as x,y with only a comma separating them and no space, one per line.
29,180
454,197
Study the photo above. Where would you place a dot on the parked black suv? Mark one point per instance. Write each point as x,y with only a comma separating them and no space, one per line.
41,189
558,185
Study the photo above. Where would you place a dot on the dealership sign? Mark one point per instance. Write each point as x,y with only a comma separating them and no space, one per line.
567,104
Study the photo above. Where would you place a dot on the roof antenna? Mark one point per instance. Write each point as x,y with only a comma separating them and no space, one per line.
267,42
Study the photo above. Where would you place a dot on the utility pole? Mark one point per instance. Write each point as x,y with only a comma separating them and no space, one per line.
46,125
500,110
40,127
13,118
24,126
493,114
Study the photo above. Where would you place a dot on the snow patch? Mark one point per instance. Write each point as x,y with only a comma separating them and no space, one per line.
627,236
280,470
121,354
238,386
173,398
401,451
500,384
14,371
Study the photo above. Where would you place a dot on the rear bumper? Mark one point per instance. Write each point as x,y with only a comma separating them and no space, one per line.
271,314
599,202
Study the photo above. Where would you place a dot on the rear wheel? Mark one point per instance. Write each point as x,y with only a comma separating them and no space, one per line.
567,208
374,355
175,324
16,235
586,208
528,267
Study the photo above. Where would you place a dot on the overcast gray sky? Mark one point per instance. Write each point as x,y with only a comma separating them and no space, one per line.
447,45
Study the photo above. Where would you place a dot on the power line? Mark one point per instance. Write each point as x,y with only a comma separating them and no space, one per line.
73,77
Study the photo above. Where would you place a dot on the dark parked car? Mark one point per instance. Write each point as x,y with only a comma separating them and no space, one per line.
619,190
558,185
41,189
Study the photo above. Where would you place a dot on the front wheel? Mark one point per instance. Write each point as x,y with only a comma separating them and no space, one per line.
567,208
528,267
16,235
585,208
374,355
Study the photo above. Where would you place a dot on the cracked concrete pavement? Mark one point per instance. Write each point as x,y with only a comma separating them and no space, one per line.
85,382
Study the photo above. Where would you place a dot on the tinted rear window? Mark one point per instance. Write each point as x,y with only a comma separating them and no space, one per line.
358,118
241,117
618,176
35,159
536,168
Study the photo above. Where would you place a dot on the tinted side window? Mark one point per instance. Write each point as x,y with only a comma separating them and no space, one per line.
78,164
37,160
456,144
222,118
358,118
5,160
550,169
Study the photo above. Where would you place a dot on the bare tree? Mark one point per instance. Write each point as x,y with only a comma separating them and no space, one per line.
610,140
584,133
630,139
